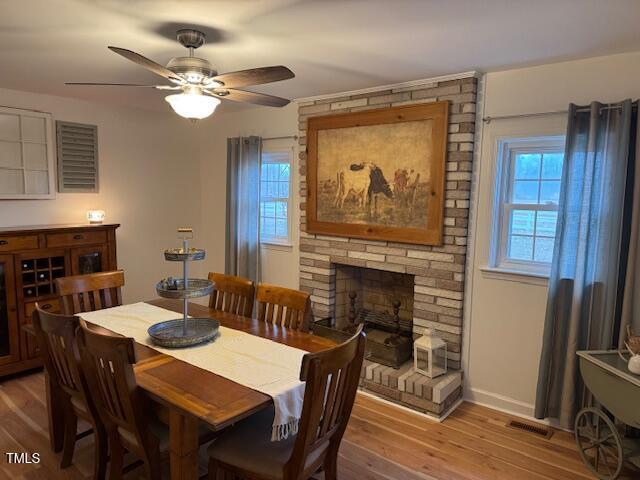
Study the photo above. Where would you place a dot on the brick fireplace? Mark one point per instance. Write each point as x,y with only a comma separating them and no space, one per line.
428,280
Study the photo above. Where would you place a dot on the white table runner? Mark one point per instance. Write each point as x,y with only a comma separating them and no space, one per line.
258,363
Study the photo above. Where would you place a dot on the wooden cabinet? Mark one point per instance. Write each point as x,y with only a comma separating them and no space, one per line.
9,343
31,258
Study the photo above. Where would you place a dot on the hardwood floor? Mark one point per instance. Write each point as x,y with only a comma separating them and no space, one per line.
381,443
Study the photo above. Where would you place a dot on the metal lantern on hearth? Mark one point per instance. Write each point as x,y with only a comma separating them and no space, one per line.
430,355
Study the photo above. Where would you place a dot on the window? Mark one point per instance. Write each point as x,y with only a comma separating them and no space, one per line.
275,197
26,154
528,184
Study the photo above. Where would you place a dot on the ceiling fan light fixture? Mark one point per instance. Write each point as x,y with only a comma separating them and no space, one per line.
201,85
192,105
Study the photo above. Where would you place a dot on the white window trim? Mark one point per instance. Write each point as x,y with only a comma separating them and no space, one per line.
506,148
49,142
275,241
519,276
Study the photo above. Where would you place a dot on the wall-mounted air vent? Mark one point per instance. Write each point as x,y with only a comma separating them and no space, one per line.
77,157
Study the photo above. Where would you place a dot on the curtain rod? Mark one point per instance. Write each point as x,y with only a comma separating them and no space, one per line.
294,137
489,118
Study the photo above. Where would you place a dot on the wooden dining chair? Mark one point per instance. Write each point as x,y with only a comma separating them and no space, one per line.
128,418
232,294
57,338
246,449
284,306
86,293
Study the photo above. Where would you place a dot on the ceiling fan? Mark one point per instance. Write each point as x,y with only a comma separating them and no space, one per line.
200,86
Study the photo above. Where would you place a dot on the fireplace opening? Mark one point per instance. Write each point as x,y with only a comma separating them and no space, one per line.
376,291
383,302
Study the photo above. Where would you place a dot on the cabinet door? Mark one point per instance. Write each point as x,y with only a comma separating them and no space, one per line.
9,335
86,260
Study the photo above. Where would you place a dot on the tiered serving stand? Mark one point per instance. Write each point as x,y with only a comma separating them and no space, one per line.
185,331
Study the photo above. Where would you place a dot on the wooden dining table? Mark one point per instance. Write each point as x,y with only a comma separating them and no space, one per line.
187,395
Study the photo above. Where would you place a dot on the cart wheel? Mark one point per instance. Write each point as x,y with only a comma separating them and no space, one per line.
599,443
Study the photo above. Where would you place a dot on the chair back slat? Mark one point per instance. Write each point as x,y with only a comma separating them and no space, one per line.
262,310
217,300
108,301
234,301
283,306
328,418
331,378
110,389
232,294
108,364
71,304
97,301
86,302
87,293
289,316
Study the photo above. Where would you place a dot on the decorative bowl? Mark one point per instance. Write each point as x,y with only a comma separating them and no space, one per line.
198,287
170,333
180,255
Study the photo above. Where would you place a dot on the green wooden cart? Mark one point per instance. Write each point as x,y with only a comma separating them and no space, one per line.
603,445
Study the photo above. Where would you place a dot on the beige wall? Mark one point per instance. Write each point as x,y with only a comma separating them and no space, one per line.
504,331
158,172
279,264
149,183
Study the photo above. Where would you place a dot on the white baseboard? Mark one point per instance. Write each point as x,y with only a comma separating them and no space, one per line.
499,402
507,405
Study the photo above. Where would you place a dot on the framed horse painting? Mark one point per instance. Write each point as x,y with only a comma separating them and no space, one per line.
378,174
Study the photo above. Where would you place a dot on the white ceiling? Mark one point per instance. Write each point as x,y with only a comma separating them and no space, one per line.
331,45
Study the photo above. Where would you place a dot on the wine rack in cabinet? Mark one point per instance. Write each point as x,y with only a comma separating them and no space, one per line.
31,258
38,273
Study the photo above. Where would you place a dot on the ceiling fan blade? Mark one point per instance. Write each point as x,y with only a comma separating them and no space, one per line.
112,84
249,97
254,76
146,63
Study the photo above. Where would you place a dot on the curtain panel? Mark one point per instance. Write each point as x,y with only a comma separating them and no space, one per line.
242,256
583,308
630,302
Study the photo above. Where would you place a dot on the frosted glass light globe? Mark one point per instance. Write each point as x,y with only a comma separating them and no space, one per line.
193,105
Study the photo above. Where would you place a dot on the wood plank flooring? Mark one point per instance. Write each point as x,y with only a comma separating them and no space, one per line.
381,443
